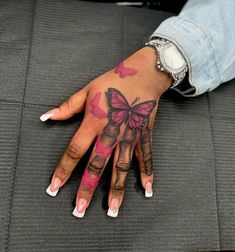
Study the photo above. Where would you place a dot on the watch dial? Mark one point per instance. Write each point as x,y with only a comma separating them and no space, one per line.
172,59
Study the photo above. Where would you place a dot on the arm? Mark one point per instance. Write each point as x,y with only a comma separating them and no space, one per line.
204,32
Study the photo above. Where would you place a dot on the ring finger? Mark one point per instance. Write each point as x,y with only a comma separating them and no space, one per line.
122,161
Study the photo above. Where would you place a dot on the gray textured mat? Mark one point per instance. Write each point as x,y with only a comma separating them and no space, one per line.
15,38
9,133
222,107
224,139
62,46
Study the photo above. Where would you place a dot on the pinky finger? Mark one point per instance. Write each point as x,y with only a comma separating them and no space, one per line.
143,152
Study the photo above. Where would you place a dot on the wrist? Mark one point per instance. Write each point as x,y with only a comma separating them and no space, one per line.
160,80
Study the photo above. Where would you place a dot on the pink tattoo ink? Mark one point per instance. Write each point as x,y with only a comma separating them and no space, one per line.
97,111
134,114
102,150
124,71
88,180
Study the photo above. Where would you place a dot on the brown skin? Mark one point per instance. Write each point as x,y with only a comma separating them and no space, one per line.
148,84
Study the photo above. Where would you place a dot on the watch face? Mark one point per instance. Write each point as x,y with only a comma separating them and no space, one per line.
171,59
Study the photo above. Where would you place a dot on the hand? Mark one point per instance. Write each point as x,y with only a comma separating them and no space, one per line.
120,108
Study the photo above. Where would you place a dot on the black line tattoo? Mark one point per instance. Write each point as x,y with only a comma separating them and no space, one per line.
144,152
96,165
124,158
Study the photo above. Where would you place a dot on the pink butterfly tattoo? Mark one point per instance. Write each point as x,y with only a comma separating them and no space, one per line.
133,115
97,111
124,71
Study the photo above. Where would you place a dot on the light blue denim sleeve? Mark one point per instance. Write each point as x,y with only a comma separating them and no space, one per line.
204,32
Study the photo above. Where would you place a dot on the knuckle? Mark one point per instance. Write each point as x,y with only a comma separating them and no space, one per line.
63,171
89,123
96,165
149,172
118,190
86,190
74,152
66,104
123,166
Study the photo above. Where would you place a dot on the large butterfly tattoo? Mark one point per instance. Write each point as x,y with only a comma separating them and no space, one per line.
133,115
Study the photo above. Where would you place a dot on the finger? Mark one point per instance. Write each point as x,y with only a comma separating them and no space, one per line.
74,152
122,161
75,104
143,151
96,165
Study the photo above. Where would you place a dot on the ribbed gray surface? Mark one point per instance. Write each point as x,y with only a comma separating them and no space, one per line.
73,42
137,26
224,138
222,107
15,37
222,101
9,133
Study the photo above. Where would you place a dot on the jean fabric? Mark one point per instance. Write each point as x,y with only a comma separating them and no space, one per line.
205,34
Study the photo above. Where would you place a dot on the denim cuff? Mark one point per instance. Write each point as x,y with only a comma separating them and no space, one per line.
196,47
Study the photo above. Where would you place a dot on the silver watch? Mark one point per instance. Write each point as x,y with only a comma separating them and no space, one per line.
169,59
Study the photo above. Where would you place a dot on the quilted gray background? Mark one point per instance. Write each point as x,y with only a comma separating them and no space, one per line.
48,51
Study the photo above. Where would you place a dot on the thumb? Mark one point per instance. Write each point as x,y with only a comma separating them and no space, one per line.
75,104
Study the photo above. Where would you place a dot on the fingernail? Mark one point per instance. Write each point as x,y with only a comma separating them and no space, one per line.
54,187
148,190
80,209
113,208
48,114
77,214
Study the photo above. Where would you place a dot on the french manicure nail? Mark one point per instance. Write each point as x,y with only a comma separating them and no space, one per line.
48,114
148,190
80,209
77,214
82,205
113,208
54,187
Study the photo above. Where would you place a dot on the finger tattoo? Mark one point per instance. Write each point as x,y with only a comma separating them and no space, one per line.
124,158
144,152
96,165
103,149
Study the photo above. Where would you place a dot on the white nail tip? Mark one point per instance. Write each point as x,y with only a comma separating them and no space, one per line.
53,194
112,213
148,194
45,117
77,214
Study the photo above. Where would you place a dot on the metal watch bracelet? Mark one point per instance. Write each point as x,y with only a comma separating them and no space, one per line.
158,44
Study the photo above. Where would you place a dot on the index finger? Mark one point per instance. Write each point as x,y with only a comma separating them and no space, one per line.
78,146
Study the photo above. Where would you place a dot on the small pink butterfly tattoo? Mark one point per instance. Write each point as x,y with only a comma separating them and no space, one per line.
97,111
124,71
